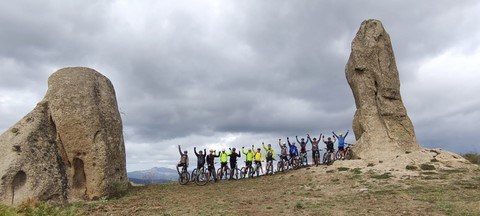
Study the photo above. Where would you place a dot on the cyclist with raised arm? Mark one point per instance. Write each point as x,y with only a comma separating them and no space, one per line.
329,143
303,148
223,162
211,165
258,159
315,149
200,157
183,159
284,154
249,159
233,161
269,156
293,151
341,142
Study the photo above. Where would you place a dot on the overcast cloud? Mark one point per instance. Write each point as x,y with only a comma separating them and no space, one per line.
216,74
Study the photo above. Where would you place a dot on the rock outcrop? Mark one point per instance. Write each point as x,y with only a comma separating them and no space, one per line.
70,147
381,124
382,128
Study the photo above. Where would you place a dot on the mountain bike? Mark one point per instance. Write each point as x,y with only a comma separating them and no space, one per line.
236,173
246,171
348,151
223,173
303,162
269,168
257,168
295,163
201,177
184,176
282,164
327,157
316,157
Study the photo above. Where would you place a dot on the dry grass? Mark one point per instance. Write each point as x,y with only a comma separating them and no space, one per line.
311,191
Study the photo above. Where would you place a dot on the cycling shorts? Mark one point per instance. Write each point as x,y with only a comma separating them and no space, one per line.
211,168
258,163
200,165
181,164
248,163
341,148
233,165
284,157
223,164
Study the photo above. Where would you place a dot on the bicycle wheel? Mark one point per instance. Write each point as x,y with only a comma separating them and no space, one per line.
243,172
250,172
348,154
219,174
201,178
194,174
236,174
226,173
184,178
338,155
280,166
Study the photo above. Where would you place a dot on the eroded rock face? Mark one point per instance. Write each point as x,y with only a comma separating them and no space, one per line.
381,124
70,146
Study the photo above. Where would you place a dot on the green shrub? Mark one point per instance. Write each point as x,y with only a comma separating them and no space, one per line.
299,205
343,168
472,157
386,175
357,171
427,167
411,167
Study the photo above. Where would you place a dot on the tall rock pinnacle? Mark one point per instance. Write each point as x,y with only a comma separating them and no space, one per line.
70,147
381,124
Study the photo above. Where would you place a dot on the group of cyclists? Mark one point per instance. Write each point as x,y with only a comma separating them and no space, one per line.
290,157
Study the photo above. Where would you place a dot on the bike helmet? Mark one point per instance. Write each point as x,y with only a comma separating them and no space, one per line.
340,134
185,152
233,149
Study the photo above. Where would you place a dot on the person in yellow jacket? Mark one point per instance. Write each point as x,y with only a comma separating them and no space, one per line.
269,156
223,161
258,158
249,155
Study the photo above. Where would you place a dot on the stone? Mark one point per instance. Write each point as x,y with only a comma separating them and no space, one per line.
70,147
381,125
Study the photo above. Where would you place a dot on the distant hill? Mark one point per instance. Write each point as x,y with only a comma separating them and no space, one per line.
153,175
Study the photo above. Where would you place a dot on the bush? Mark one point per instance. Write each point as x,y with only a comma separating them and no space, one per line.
427,167
411,167
472,157
343,168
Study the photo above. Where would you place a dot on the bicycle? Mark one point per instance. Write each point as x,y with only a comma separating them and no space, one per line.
269,168
316,157
303,162
184,176
282,164
327,157
201,177
223,173
246,171
236,173
257,168
294,162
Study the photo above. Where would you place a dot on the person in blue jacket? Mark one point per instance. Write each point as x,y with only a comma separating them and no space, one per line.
293,149
341,142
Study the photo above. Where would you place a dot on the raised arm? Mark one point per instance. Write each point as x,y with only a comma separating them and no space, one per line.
289,144
308,138
323,139
334,134
195,151
263,145
346,134
334,139
280,143
296,137
180,150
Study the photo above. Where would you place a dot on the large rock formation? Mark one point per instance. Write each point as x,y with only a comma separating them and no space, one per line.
381,123
70,146
382,128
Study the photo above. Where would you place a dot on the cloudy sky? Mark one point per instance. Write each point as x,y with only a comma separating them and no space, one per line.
216,74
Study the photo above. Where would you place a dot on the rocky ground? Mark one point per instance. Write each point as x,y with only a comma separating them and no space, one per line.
340,189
